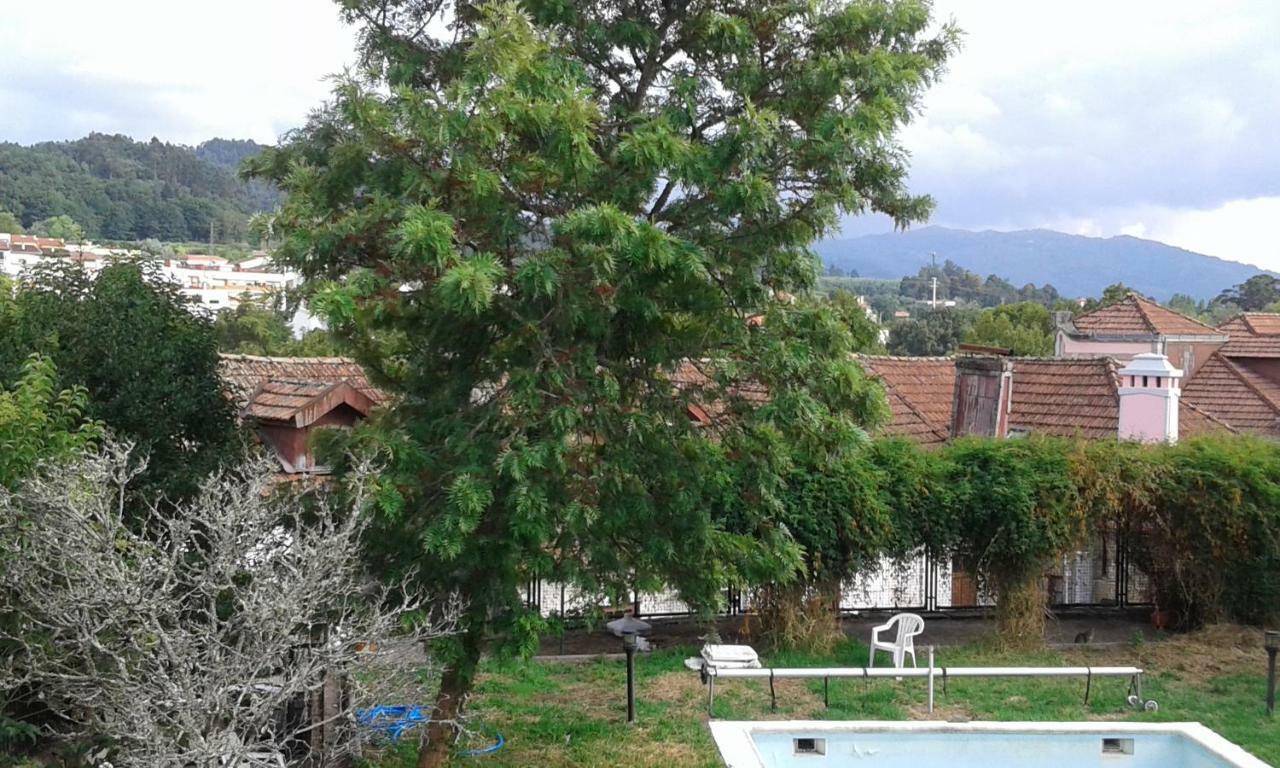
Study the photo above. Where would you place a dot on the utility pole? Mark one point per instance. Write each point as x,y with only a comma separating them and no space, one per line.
933,263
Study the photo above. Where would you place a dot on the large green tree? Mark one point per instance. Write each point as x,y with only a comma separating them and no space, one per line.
149,365
525,228
1253,295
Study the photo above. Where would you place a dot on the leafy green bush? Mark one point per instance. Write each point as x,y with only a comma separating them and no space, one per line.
1213,535
1015,510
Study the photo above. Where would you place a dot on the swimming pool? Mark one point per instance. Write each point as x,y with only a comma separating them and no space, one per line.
876,744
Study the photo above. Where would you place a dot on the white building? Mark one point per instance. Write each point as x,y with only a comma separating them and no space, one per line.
214,283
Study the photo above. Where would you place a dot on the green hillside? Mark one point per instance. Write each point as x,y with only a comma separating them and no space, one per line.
121,189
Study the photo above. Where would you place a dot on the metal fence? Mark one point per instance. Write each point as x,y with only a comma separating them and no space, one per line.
1099,575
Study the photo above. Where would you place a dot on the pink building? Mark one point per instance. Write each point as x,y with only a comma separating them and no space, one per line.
1137,325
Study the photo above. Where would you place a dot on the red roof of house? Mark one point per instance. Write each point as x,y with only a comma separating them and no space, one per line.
1067,398
244,374
920,391
1232,391
1253,334
1136,315
1052,397
1060,397
706,403
302,403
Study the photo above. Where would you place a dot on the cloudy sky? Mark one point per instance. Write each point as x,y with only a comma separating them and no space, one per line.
1156,118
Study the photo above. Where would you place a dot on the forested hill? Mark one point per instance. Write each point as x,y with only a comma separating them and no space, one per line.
121,189
1074,264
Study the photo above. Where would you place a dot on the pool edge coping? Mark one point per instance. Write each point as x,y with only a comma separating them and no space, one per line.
733,738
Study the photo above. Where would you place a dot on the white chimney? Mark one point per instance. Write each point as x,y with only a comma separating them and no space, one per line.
1149,394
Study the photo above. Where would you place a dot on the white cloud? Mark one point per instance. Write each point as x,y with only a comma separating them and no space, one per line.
1238,230
1100,117
178,70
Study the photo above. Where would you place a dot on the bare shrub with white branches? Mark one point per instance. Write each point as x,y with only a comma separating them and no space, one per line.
196,635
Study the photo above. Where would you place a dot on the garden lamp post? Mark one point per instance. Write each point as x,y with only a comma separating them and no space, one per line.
1271,641
629,628
629,646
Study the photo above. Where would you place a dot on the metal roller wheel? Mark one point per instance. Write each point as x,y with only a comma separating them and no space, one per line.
1151,706
1133,701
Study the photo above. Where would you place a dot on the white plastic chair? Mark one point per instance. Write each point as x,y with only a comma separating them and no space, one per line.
909,626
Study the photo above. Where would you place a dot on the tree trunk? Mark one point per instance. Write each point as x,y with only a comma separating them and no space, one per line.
442,728
1020,612
455,684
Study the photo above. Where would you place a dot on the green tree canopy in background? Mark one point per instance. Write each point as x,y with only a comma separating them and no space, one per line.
258,328
9,223
1254,294
524,229
1110,295
60,227
931,332
149,365
1025,328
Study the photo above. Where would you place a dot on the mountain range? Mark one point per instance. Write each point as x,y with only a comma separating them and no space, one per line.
1074,264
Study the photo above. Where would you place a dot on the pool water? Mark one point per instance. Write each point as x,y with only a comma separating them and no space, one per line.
817,744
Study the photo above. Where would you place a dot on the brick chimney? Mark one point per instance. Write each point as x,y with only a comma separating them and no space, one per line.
981,402
1149,395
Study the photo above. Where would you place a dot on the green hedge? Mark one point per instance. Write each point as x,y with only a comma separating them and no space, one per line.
1202,517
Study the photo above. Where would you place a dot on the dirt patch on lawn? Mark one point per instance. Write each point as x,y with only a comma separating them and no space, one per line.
1197,657
674,688
1208,653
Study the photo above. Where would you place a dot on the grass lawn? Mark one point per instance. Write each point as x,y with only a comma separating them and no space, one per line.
558,714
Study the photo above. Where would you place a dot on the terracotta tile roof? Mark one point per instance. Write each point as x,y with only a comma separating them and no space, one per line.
301,403
1192,422
1253,334
1052,397
705,404
920,391
245,373
1136,315
1231,392
1067,398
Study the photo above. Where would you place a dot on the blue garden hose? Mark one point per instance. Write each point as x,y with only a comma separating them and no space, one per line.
489,750
393,721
